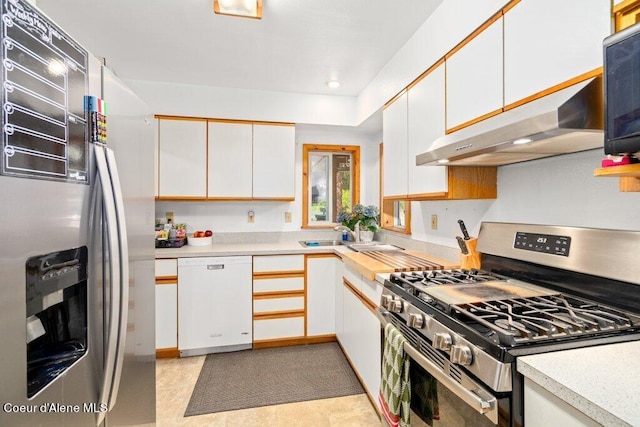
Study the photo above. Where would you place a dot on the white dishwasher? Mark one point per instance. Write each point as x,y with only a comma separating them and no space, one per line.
214,305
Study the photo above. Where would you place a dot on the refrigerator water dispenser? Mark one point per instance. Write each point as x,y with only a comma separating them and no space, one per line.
56,320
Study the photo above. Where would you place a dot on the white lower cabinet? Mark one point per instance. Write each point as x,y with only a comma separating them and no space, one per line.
321,276
166,272
167,315
360,335
542,409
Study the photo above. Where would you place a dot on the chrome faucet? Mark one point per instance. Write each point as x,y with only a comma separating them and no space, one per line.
355,234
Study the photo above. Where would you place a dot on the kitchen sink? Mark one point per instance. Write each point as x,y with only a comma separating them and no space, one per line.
314,243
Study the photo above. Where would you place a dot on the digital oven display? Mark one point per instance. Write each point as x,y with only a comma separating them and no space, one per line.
545,243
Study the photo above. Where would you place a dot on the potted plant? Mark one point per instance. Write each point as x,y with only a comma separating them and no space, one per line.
367,216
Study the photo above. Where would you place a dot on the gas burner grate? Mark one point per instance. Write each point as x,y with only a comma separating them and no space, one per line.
442,277
544,318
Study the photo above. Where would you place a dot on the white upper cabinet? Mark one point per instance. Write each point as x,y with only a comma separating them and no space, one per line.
547,42
182,158
273,161
426,123
475,77
230,160
394,138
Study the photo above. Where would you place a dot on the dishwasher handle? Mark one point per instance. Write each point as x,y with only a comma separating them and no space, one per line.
215,266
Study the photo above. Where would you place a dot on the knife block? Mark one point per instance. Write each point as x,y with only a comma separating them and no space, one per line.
472,259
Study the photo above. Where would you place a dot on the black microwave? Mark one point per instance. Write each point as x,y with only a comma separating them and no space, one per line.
622,92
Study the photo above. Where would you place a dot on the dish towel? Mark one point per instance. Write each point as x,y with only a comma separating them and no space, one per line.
395,385
424,389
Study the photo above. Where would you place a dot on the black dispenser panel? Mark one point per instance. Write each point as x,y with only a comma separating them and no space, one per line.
56,320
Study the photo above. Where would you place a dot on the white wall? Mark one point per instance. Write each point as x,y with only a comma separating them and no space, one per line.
270,216
243,104
558,191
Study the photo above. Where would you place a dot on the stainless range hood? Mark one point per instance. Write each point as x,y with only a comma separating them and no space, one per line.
566,121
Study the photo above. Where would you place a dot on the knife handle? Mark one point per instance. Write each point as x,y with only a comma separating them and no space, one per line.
463,245
463,228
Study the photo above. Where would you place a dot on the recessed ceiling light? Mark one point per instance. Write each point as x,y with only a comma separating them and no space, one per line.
521,141
242,8
333,84
443,161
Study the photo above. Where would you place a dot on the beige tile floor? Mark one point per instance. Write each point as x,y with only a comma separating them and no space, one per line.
175,379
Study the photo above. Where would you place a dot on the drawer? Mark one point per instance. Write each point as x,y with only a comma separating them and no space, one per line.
267,305
278,328
277,263
167,267
278,284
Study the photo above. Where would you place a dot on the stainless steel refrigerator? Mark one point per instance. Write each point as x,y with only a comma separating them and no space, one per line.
77,301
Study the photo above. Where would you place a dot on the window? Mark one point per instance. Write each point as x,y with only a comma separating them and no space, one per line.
400,213
331,182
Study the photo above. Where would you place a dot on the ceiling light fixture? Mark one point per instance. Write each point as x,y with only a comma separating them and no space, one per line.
333,84
443,161
242,8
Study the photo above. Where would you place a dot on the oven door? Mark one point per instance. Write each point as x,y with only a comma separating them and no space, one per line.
462,400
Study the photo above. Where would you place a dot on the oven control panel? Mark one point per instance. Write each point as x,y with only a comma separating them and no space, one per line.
545,243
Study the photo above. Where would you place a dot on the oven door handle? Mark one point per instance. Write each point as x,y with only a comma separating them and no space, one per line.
486,405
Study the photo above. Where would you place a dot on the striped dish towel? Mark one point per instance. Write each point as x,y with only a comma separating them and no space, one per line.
395,386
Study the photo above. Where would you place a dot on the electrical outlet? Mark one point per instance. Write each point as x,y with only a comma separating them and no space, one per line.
251,217
287,217
434,222
169,216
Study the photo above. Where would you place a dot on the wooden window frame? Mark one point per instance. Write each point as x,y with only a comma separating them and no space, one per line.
387,206
354,150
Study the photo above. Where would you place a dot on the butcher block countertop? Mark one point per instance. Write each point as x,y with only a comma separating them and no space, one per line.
371,263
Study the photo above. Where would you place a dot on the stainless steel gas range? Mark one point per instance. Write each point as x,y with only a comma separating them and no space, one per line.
541,289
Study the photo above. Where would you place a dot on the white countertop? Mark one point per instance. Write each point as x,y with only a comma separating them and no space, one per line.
232,249
600,381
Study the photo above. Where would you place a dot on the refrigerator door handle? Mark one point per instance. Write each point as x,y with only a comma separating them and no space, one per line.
111,339
123,249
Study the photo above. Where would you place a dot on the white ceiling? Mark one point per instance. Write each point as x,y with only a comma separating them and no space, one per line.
297,46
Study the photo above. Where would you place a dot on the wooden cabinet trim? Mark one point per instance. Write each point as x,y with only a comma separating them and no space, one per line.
441,195
597,72
327,255
474,121
278,315
278,294
362,297
180,198
284,342
167,280
622,10
472,182
475,33
278,275
426,73
167,353
220,120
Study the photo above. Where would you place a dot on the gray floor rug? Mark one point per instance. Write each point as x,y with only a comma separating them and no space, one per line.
252,378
